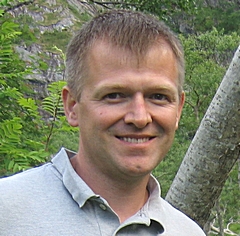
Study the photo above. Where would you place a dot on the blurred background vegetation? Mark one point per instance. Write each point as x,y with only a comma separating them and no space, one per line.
33,127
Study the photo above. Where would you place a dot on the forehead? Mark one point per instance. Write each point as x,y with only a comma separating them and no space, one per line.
103,52
110,66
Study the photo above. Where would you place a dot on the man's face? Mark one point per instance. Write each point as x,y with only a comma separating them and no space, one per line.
129,110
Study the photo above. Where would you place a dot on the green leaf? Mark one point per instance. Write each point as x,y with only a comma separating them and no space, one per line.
10,131
10,165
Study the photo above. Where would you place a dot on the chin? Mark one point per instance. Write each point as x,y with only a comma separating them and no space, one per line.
138,172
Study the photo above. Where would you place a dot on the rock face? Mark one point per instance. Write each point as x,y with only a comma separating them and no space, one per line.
52,22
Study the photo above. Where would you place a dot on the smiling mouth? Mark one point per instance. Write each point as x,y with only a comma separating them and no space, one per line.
134,140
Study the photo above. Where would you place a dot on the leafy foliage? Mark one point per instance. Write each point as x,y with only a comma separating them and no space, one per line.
24,135
53,103
12,87
165,8
207,58
223,16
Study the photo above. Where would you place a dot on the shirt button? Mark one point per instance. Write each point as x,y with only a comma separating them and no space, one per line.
103,207
143,215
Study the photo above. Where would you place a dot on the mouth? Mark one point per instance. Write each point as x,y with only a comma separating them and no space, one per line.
135,140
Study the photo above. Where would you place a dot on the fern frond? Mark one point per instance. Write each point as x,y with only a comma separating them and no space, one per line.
53,103
10,131
30,105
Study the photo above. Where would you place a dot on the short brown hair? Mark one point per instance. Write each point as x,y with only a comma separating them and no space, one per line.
126,29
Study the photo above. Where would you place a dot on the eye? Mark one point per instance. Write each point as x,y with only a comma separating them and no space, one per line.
114,97
160,99
159,96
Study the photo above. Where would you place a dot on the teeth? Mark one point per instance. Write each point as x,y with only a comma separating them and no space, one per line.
135,140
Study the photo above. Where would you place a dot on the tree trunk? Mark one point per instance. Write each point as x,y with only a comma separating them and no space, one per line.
212,153
239,172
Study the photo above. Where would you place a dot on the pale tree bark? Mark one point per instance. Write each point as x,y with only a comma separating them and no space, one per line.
213,151
239,172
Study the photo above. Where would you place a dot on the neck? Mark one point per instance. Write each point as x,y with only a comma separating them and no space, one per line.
126,197
125,200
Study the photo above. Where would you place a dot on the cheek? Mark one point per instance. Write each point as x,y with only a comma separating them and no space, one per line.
93,121
167,119
107,116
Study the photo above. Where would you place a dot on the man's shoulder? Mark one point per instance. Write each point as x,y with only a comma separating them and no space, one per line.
26,180
175,219
37,174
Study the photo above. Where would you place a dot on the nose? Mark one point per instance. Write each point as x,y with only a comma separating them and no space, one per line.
138,113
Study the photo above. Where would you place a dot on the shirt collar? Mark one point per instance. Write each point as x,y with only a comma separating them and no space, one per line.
154,203
71,180
151,211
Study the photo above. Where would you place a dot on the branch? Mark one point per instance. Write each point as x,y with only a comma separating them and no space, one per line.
217,230
228,231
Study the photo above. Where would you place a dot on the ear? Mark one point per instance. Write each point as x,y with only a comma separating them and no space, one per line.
180,107
70,107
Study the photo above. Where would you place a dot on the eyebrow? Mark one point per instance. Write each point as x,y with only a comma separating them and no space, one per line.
112,87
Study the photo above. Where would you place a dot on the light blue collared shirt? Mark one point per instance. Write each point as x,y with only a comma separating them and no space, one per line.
53,200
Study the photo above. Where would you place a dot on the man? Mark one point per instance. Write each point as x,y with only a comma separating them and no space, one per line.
125,75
